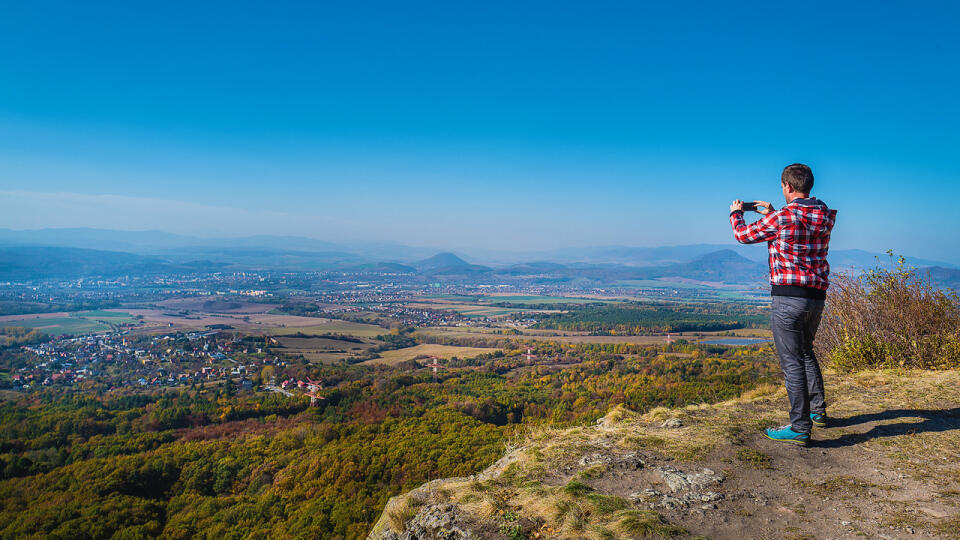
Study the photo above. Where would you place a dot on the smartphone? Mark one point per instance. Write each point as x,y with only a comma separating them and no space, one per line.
749,207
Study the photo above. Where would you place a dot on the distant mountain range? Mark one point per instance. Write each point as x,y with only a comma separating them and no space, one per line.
70,253
309,251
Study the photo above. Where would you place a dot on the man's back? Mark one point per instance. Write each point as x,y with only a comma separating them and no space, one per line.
798,238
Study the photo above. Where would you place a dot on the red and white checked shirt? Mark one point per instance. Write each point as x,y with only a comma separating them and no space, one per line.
797,237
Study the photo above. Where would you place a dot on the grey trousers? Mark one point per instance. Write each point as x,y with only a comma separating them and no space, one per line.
794,321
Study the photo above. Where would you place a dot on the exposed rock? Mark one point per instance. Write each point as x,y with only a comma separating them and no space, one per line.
710,496
680,481
645,494
630,460
933,512
381,529
671,502
687,489
758,499
672,423
433,522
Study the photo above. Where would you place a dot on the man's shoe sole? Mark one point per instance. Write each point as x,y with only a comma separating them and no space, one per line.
819,424
791,441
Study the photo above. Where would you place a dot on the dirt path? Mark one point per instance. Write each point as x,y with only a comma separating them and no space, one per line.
869,474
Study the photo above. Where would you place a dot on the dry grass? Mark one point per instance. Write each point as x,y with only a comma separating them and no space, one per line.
440,351
399,517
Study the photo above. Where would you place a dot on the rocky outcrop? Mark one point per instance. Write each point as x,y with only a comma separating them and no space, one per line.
433,522
707,471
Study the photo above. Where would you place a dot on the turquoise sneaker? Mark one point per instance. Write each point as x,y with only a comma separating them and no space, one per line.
819,420
788,435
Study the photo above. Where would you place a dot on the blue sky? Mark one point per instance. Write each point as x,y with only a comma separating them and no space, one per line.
482,124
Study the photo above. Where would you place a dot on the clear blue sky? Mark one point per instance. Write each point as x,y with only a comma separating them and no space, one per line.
513,125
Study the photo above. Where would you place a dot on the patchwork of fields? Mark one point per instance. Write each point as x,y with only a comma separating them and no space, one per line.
317,343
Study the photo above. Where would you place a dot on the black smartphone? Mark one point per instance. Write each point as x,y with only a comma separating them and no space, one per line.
749,207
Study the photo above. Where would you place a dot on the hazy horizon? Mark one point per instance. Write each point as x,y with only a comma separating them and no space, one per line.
388,251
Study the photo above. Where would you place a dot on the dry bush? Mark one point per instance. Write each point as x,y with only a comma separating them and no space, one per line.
890,317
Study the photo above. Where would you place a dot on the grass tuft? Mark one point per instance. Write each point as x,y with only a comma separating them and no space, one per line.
575,488
754,458
607,504
647,524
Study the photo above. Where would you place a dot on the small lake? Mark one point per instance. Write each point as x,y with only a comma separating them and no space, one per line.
735,341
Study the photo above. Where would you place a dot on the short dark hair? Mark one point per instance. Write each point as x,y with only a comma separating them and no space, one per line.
798,176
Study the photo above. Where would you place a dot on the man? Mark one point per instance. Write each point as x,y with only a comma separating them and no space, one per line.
797,237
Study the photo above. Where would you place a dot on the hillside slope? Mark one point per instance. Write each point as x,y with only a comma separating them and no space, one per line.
890,468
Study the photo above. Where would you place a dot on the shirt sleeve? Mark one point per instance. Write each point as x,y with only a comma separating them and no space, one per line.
762,230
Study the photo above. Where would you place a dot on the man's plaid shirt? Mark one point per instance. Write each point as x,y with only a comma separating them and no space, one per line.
797,237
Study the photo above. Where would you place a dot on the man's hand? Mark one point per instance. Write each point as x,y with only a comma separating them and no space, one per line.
736,205
763,207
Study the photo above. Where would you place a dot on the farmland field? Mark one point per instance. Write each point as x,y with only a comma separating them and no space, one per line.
80,322
8,320
441,351
322,349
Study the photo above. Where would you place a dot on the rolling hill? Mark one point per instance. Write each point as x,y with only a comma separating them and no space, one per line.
35,262
449,264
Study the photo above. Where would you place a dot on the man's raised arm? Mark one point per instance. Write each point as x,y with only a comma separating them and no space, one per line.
762,230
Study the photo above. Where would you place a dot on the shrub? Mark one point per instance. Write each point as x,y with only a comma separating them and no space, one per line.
890,317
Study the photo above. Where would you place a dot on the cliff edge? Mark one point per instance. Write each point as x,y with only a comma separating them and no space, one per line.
888,467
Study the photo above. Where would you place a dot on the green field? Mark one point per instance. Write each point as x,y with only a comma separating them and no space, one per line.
112,316
81,322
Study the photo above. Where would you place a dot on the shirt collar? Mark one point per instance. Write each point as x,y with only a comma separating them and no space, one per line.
806,201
